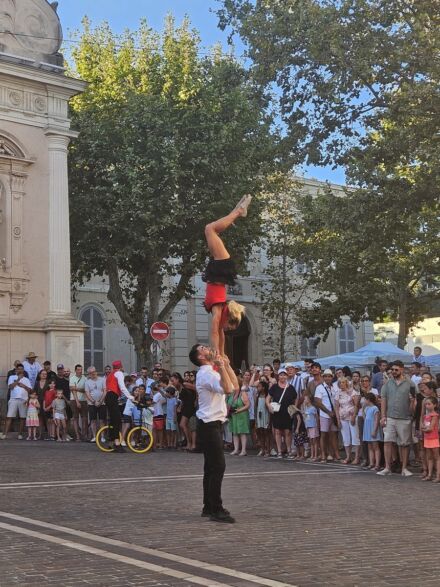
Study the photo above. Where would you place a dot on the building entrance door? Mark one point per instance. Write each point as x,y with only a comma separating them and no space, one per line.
237,345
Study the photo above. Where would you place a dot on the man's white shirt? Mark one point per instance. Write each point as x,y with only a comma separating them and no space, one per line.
416,379
32,369
212,401
324,393
147,382
121,383
18,392
420,359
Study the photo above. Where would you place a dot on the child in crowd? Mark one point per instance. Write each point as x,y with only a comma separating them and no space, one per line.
299,433
372,430
164,382
431,442
310,414
59,415
262,419
158,415
171,417
144,404
130,415
32,418
49,398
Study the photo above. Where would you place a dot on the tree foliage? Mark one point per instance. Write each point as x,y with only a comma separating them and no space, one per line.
169,140
358,85
340,66
368,259
281,290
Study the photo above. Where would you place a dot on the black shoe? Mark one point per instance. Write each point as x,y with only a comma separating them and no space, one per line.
207,513
222,516
119,448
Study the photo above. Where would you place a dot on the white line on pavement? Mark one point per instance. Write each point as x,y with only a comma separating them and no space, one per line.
115,557
141,549
232,476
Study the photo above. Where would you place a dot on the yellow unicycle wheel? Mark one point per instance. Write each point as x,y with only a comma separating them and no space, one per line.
140,439
103,441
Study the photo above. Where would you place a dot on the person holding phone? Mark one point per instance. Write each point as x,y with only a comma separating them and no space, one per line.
398,402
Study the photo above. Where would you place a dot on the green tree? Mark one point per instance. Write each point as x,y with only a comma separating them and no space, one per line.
282,291
168,140
357,85
341,66
368,259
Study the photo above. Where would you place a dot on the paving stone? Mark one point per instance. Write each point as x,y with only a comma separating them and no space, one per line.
321,525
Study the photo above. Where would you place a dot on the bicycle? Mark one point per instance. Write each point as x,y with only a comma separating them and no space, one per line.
140,438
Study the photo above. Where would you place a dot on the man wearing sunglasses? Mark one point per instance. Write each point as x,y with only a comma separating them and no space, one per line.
398,401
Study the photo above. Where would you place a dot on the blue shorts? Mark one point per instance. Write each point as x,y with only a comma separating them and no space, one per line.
170,425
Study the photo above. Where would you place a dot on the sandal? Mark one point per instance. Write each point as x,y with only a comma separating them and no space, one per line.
345,462
427,478
436,480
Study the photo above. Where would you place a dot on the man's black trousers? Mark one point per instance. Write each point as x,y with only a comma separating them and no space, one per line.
114,415
210,436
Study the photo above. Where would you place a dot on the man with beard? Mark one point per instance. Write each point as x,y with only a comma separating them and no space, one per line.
212,386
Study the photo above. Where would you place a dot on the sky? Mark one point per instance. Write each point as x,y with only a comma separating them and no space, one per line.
123,14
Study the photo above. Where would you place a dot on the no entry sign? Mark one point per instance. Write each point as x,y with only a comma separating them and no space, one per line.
160,331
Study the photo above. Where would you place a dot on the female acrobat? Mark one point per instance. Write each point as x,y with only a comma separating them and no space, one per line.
220,272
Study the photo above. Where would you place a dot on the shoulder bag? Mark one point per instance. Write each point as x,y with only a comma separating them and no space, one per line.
276,406
334,418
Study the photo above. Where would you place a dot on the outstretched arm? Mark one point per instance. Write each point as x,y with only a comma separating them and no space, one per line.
225,382
221,336
216,328
231,374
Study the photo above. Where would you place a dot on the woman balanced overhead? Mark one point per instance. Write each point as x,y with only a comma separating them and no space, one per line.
220,272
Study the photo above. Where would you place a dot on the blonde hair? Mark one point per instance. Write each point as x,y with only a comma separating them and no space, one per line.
236,312
344,380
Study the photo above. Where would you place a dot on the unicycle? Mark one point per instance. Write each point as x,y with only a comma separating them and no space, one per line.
140,438
103,439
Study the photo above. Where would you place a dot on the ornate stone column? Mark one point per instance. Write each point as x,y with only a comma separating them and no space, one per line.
59,235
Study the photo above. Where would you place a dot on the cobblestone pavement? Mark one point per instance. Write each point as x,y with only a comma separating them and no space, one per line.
71,515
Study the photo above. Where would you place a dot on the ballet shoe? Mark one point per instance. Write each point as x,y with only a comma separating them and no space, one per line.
243,205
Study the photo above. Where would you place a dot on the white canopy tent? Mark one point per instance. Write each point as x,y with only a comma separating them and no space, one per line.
433,360
365,356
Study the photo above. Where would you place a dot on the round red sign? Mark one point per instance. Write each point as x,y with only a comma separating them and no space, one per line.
160,331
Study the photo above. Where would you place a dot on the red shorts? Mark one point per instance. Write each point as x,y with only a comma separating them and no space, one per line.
215,294
158,422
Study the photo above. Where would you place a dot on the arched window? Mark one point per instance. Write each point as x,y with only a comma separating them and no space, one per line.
309,347
93,338
346,339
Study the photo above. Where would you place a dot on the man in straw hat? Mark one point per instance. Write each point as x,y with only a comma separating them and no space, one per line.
32,367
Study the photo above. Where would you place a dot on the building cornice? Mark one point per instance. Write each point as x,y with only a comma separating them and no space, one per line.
68,85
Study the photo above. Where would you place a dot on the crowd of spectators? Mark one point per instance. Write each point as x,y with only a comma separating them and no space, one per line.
376,420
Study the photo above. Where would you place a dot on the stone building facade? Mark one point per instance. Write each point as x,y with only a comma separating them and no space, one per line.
35,290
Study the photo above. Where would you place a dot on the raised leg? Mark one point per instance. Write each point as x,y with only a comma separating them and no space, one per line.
216,246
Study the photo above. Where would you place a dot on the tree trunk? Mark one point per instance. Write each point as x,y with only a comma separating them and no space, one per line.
140,343
283,326
403,321
134,315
